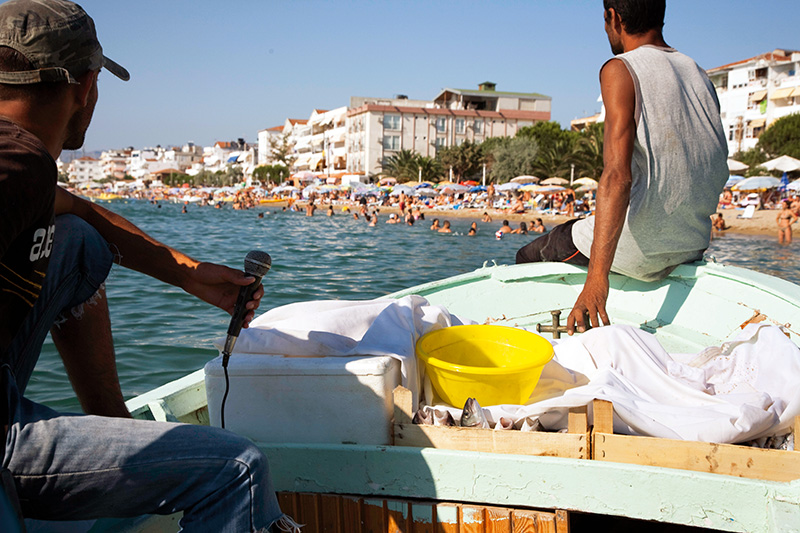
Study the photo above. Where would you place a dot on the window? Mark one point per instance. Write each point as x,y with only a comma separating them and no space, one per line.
441,125
478,126
460,125
391,122
391,142
441,142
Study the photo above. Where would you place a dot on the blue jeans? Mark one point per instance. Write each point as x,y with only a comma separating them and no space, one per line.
70,467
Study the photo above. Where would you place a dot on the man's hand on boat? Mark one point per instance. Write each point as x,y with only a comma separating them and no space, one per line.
219,285
591,303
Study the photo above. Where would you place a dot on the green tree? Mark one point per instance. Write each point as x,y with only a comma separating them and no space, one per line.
403,166
782,137
753,157
466,160
589,152
514,157
271,173
429,168
281,150
547,134
557,159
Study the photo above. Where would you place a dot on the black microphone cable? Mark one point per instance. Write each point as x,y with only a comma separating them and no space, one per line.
256,264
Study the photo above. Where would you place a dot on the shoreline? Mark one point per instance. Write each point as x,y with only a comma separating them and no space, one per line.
763,221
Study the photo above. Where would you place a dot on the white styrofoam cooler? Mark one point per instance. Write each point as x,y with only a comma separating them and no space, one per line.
275,398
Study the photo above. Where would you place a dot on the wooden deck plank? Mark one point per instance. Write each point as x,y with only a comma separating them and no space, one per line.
488,440
423,518
351,515
397,516
330,520
524,521
447,518
498,520
472,519
373,516
727,459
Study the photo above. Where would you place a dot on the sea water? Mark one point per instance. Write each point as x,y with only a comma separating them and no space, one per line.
161,333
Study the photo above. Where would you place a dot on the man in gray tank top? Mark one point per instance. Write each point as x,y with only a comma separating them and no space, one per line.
665,164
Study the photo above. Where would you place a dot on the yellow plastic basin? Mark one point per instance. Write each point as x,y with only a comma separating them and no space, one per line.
493,364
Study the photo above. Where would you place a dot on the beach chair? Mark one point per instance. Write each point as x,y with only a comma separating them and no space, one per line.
748,212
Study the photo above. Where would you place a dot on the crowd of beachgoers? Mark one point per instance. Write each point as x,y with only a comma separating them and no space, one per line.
528,210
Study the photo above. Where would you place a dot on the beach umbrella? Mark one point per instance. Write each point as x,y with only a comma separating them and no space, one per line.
458,188
756,183
585,188
793,186
477,188
555,181
510,186
304,176
404,189
784,182
733,180
443,184
736,166
589,182
531,187
387,181
423,185
550,189
525,179
426,191
783,163
470,183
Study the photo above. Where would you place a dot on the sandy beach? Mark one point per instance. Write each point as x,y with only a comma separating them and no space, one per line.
762,222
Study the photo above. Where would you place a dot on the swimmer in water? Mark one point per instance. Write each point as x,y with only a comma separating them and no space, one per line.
472,232
435,226
486,217
445,227
522,229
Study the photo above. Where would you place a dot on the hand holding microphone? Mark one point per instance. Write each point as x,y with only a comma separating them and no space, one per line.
256,264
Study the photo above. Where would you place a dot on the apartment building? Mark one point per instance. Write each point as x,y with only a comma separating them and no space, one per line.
754,93
85,169
265,139
379,128
115,163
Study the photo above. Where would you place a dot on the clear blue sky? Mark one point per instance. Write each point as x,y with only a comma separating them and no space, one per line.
206,70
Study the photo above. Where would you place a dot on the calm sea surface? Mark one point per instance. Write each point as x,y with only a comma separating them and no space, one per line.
161,333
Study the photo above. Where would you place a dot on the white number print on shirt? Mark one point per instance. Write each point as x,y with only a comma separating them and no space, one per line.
42,243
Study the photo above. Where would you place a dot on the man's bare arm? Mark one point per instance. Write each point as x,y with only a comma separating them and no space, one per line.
212,283
613,193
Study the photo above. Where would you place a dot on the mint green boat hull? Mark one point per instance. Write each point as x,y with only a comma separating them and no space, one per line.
697,306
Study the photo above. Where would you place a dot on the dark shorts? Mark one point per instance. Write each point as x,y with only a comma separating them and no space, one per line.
553,247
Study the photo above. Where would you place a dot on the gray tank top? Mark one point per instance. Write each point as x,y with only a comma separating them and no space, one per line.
679,166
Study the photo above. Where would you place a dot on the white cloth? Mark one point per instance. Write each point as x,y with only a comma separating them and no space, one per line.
740,391
348,328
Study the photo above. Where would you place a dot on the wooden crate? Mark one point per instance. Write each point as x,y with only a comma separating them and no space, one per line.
573,444
727,459
333,513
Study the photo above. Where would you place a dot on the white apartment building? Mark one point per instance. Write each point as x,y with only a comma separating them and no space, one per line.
756,92
377,128
85,169
299,136
115,163
265,139
182,158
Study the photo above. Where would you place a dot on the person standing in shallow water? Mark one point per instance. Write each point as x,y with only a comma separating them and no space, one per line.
785,220
648,217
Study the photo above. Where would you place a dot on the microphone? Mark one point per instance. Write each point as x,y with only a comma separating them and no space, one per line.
256,264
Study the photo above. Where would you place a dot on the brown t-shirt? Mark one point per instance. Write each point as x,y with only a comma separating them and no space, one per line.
28,178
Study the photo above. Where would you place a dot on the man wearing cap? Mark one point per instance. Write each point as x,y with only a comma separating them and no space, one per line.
54,258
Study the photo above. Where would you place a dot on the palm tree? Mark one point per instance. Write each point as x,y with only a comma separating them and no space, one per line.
589,161
429,168
402,165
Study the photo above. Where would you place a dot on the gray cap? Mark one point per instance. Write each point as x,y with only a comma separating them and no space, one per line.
57,37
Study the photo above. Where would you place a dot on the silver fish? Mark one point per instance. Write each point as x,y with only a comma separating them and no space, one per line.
423,417
472,416
504,423
443,418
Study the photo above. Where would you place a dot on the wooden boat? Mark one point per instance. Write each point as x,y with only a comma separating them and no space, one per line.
469,480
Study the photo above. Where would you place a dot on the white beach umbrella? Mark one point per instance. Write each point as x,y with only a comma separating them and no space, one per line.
794,186
756,183
736,166
783,163
525,179
555,181
405,189
588,182
510,186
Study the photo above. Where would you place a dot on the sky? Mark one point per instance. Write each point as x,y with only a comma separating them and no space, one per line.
206,71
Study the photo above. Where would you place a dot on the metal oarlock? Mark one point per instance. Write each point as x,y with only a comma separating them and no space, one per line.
557,329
